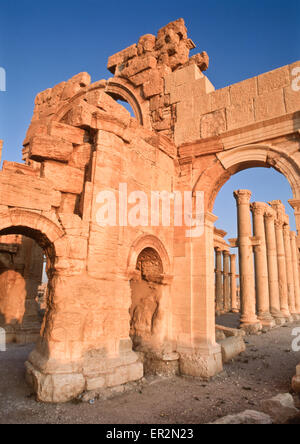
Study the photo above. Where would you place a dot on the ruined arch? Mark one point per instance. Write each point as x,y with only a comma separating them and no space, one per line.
28,223
20,313
120,89
232,161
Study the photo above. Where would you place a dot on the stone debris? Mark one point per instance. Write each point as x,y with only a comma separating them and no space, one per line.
246,417
281,408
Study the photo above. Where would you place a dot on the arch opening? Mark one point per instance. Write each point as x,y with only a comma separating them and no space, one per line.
26,270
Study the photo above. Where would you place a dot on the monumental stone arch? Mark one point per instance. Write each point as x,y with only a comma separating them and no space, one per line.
252,156
81,143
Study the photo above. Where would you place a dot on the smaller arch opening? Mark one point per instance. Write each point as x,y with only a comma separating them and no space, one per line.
126,97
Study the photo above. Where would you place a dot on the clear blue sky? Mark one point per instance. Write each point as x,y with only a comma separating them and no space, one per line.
45,42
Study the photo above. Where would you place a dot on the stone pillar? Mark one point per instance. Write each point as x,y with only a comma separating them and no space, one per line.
226,281
294,250
233,286
247,287
270,216
219,282
281,261
289,269
261,266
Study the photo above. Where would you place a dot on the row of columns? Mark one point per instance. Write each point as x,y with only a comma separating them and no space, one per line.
226,286
270,292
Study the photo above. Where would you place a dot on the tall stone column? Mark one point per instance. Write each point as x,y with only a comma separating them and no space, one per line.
270,216
294,251
261,266
281,261
226,281
233,286
289,268
247,286
219,281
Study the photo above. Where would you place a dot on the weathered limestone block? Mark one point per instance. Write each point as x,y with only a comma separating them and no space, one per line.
121,57
66,132
281,408
75,85
63,177
55,388
48,147
246,417
213,124
232,347
154,85
104,102
81,156
20,168
272,80
37,193
201,365
269,105
137,65
230,332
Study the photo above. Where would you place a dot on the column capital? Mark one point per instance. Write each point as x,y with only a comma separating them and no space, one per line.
293,235
258,208
242,196
279,223
270,213
226,253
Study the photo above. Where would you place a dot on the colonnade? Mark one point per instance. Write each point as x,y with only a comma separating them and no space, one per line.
269,284
226,288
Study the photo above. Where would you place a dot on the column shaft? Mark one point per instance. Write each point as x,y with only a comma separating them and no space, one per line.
261,266
226,281
247,286
294,250
270,216
233,286
289,269
219,282
281,259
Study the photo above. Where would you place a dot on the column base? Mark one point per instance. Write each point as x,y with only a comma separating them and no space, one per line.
266,320
295,316
280,321
235,310
203,362
289,319
251,328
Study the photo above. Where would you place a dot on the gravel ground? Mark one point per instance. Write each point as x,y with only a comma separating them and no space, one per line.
263,371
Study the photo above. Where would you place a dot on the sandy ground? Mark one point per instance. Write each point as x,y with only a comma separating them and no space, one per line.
263,371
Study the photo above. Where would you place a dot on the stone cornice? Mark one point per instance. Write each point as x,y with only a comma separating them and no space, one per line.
250,134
